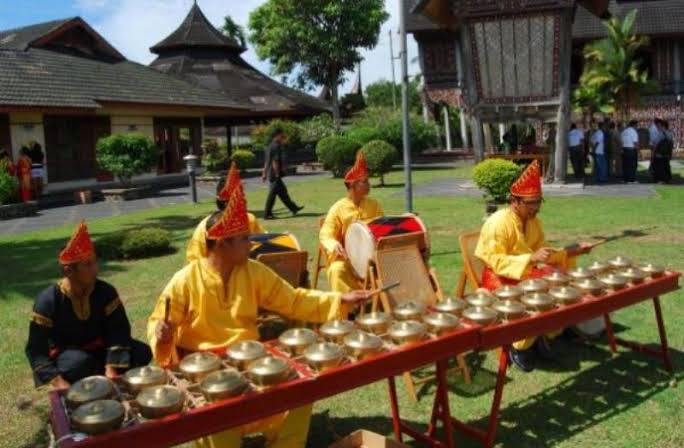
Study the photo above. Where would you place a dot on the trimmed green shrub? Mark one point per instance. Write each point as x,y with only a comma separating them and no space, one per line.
243,158
363,134
380,157
262,135
8,185
126,155
337,153
388,123
215,158
135,243
495,177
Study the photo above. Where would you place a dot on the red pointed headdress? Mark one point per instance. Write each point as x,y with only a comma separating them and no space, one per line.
79,247
359,171
529,183
234,220
232,182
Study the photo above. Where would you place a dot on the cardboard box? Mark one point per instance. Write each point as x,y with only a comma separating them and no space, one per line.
367,439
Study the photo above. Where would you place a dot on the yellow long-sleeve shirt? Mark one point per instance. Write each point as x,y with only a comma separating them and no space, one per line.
210,314
506,247
197,246
341,215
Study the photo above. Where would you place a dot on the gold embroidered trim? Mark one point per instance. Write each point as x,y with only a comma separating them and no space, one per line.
112,306
41,320
80,304
118,366
118,347
42,366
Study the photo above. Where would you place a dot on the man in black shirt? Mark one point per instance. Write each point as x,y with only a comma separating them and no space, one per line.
273,171
79,326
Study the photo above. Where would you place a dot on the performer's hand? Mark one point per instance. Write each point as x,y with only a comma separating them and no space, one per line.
340,252
110,372
542,255
580,249
356,298
59,383
164,332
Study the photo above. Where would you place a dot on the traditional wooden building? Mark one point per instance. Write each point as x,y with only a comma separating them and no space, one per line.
64,86
509,67
510,60
199,53
663,22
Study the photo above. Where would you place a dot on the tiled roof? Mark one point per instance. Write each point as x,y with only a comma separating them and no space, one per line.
417,21
21,38
196,31
38,77
654,17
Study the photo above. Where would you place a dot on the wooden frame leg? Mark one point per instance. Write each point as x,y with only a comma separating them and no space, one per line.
410,386
667,360
498,395
463,366
609,333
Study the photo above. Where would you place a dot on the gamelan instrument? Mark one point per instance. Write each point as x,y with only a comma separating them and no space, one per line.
363,239
208,392
269,243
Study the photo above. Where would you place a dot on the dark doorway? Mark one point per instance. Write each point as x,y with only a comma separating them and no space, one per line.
176,138
70,145
5,139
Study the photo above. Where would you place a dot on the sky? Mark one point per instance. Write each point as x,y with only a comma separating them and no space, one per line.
132,26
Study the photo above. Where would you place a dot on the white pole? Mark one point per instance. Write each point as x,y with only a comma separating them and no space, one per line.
464,129
447,128
394,80
502,131
405,108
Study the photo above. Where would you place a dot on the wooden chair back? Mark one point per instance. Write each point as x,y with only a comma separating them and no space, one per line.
289,265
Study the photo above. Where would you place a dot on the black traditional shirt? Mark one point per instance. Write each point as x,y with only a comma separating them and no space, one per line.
59,322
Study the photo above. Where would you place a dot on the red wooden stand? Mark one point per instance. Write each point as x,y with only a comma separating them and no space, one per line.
504,335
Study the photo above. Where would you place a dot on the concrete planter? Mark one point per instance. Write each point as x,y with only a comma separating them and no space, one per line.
21,210
125,194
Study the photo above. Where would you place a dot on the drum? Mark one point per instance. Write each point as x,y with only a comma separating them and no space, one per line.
591,329
362,238
269,243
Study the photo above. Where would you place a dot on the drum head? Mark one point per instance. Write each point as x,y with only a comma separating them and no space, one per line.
359,243
591,328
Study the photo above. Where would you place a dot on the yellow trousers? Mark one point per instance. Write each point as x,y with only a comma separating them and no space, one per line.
526,344
287,430
341,277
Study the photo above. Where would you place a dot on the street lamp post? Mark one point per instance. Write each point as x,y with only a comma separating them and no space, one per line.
191,165
405,107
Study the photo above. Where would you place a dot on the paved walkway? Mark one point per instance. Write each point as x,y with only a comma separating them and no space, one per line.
466,187
59,216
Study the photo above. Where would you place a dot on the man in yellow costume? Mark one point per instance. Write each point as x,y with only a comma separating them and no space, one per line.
213,303
513,248
197,246
357,206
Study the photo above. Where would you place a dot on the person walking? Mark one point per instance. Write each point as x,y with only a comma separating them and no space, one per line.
598,150
575,138
616,153
273,172
630,148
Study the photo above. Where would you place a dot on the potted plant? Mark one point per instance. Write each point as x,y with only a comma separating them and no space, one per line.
125,156
495,177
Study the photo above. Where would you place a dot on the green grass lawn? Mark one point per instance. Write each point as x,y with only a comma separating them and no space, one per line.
587,398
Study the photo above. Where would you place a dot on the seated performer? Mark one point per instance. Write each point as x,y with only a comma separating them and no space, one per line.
357,206
79,326
512,245
213,303
197,246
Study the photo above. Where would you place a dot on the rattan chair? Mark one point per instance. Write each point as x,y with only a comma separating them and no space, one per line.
289,265
472,266
405,264
321,259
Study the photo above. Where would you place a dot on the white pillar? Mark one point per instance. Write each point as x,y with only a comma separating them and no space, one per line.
502,131
464,129
447,128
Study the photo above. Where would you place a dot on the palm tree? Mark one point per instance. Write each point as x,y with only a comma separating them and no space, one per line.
588,100
613,67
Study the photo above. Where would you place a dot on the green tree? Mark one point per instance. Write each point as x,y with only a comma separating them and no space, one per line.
235,31
613,68
588,100
379,94
317,41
